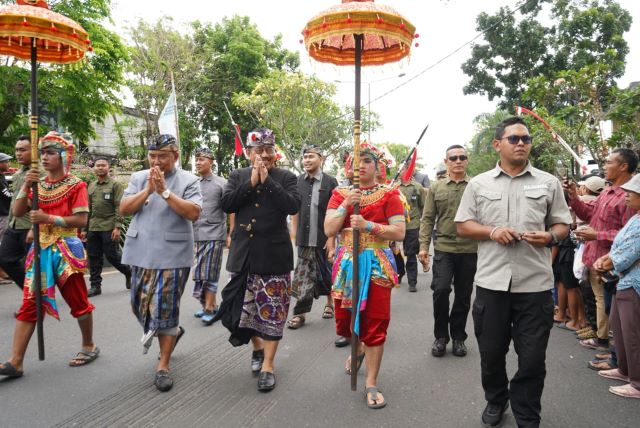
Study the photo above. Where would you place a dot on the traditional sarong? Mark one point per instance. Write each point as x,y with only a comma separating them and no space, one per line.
155,296
311,278
266,305
206,273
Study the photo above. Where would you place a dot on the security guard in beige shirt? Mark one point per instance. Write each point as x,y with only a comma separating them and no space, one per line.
515,211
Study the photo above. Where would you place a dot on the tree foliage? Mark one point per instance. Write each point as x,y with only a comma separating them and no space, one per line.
78,94
519,47
235,57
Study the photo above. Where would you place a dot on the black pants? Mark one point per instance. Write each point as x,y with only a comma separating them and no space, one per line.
411,247
13,250
589,300
100,244
461,268
499,317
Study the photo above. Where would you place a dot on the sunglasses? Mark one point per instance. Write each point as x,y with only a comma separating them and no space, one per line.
515,139
456,157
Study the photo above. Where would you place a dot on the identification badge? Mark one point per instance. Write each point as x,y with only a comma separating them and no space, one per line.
106,196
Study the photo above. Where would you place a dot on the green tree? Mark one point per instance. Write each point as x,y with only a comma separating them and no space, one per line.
79,94
300,110
235,57
519,47
158,50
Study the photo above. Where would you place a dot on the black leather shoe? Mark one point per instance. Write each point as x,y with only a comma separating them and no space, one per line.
257,357
341,342
439,347
127,281
266,382
164,381
94,291
412,288
459,348
493,414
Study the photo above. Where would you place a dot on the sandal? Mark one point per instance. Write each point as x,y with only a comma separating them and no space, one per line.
598,365
328,312
347,369
83,357
208,318
296,322
374,403
614,374
603,356
9,371
564,326
627,391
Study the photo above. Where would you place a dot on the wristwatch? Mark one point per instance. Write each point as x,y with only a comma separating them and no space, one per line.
166,194
554,238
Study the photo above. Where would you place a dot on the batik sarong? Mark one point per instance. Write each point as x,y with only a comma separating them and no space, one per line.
266,305
155,296
311,278
206,273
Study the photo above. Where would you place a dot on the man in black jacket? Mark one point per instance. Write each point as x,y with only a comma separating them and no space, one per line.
312,277
261,197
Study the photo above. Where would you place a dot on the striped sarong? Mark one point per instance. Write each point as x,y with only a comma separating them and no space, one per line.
155,296
206,273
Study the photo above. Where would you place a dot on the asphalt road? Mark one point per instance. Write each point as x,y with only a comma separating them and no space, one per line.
214,385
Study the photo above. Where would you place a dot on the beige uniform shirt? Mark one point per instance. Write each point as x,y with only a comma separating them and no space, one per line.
531,201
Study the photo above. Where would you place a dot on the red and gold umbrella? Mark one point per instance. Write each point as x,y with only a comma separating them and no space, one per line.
358,33
30,31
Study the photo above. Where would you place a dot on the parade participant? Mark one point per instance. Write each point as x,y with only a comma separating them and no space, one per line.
63,208
210,235
514,211
256,301
606,216
312,276
103,231
14,245
381,219
164,201
454,257
414,195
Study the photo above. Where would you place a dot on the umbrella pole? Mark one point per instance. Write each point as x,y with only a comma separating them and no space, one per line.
355,307
37,277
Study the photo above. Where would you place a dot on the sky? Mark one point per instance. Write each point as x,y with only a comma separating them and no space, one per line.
433,97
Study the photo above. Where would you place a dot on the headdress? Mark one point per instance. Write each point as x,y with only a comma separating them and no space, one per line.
62,143
312,148
204,152
261,137
161,141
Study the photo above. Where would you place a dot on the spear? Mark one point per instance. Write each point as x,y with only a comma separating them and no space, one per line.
235,128
415,147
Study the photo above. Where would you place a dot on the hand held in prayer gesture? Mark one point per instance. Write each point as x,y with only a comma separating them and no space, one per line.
264,173
157,177
255,171
151,186
537,239
505,236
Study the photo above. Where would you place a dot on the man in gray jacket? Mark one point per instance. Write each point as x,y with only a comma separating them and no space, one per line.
164,201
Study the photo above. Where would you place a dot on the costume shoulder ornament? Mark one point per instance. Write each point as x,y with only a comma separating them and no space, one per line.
53,194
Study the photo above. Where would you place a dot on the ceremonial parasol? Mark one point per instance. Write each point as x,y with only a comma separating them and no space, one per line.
358,33
30,31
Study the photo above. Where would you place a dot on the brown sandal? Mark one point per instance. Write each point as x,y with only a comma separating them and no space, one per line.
328,312
599,365
296,322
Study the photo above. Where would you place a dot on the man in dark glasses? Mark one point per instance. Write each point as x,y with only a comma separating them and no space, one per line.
454,257
515,212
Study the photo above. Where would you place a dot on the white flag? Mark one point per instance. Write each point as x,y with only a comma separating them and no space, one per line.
167,119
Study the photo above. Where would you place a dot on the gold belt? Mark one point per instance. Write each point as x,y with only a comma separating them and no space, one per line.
367,240
50,233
